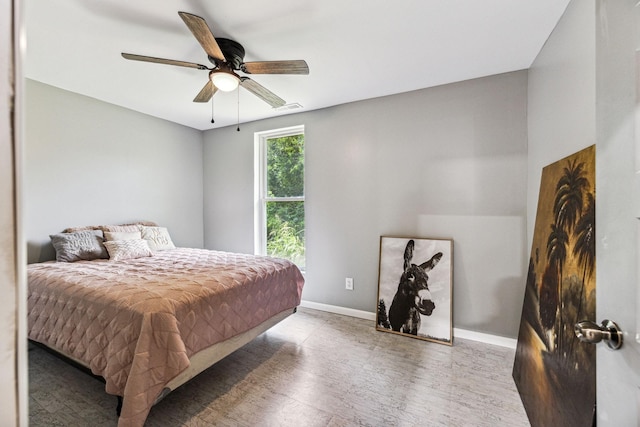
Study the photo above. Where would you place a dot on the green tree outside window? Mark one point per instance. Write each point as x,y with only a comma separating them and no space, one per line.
285,198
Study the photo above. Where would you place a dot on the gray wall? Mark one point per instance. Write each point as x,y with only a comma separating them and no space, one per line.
561,105
446,162
88,162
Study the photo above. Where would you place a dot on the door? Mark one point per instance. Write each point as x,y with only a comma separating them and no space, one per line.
618,209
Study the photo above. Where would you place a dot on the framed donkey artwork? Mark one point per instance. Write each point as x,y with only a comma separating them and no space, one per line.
415,288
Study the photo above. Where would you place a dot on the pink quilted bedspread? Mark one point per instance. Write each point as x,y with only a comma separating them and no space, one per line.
137,322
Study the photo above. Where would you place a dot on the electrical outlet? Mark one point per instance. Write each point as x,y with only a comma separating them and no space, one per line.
348,283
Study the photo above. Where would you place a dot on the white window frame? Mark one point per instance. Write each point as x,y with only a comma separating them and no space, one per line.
260,183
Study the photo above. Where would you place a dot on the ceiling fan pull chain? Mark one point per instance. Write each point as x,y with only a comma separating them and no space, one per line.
238,128
212,121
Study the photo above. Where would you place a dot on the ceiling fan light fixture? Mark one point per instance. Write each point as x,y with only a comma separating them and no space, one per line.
224,81
227,57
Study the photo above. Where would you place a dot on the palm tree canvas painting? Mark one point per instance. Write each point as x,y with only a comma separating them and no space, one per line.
553,370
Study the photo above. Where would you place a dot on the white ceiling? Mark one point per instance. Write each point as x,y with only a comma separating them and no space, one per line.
355,49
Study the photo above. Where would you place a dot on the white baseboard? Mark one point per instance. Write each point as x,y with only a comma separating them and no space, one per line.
339,310
457,332
485,338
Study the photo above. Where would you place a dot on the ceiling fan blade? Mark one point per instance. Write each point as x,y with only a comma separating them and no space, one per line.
276,67
164,61
206,93
262,92
203,34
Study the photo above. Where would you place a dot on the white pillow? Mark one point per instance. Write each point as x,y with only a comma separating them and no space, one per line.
127,249
122,235
158,238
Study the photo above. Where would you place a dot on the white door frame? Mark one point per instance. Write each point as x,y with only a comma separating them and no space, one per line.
13,341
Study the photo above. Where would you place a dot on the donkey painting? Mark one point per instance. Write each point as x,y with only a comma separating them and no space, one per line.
412,297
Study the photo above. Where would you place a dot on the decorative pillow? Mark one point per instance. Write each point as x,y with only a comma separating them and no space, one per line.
79,245
158,238
129,228
82,228
122,235
146,223
127,249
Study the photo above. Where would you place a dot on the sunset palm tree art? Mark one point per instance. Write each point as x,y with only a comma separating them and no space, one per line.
568,206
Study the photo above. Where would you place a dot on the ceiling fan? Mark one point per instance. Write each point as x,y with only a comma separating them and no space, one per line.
227,57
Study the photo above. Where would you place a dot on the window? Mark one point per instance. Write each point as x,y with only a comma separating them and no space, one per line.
279,213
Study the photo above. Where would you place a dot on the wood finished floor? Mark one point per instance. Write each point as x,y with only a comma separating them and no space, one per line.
313,369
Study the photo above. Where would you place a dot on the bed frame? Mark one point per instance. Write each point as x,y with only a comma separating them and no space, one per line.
199,362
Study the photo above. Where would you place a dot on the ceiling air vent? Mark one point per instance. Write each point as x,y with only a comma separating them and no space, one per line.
289,107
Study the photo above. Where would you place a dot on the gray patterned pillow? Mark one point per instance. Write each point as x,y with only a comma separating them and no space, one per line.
79,245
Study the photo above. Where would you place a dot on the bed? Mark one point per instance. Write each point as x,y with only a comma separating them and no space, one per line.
149,323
